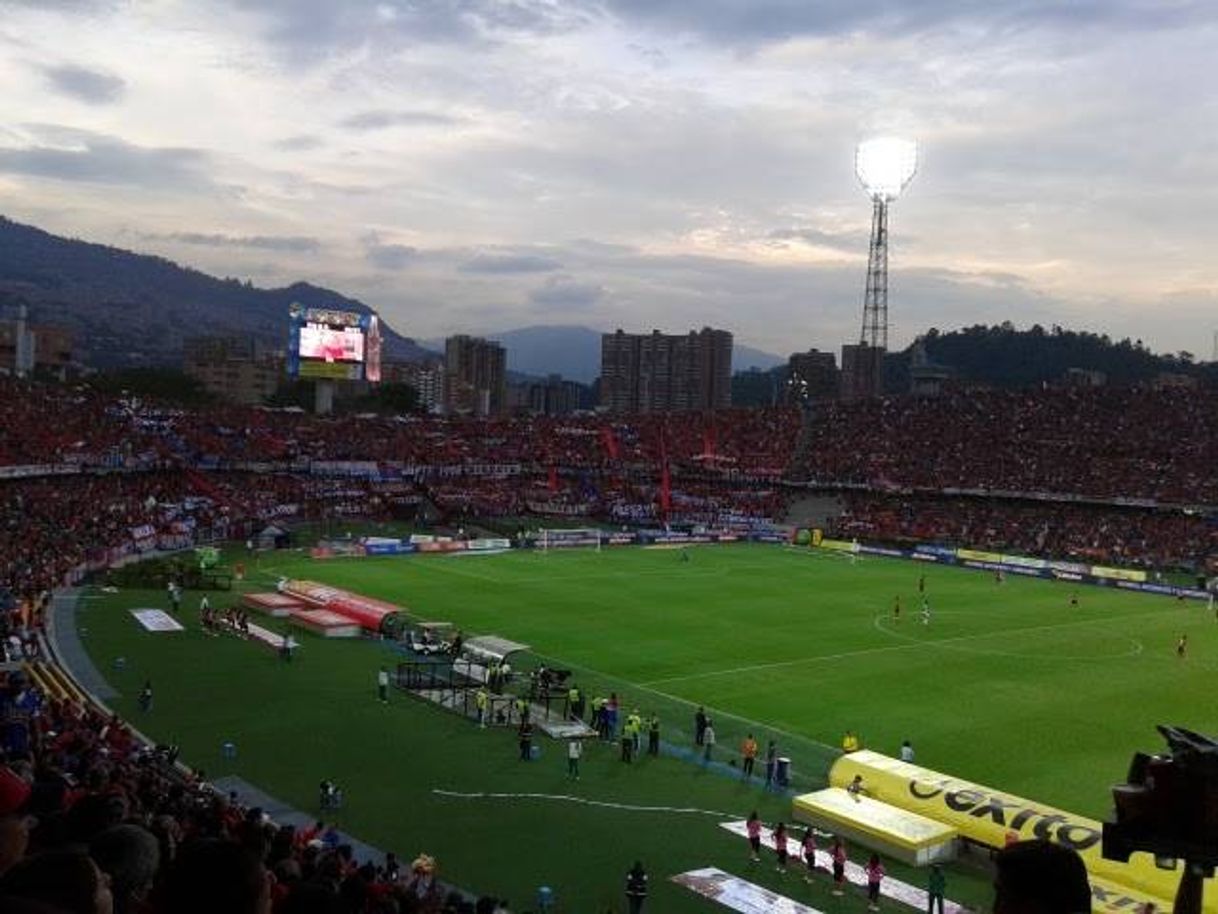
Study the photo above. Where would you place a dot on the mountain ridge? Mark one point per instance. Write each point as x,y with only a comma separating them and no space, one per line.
130,309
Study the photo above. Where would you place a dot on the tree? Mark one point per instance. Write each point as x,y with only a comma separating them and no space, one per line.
391,398
165,384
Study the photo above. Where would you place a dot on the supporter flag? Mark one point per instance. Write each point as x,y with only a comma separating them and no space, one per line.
709,441
552,482
609,440
665,481
587,489
665,489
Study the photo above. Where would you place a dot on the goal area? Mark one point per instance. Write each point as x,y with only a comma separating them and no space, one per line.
548,538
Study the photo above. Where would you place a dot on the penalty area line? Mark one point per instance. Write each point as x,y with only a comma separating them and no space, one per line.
564,798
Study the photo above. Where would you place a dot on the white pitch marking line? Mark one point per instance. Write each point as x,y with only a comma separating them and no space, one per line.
583,801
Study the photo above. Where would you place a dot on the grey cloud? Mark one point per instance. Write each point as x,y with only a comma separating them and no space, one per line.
388,256
741,22
303,26
92,86
283,243
67,154
299,142
849,241
510,263
379,120
564,291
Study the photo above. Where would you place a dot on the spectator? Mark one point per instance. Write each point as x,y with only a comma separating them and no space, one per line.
211,875
1040,877
131,857
68,881
14,823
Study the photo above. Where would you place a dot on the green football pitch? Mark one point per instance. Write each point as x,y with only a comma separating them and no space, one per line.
1009,685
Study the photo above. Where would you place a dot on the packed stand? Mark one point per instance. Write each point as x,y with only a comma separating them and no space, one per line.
1102,442
1088,534
54,424
52,529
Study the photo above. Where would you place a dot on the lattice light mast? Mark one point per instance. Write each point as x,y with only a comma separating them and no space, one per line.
884,166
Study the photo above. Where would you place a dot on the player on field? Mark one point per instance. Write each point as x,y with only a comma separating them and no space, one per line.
896,609
1182,646
925,610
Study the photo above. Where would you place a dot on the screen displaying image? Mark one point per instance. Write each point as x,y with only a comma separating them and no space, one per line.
331,344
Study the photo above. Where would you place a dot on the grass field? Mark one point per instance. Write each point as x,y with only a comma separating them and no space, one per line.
1008,685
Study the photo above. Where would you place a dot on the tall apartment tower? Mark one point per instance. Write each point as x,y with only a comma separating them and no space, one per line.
475,376
657,372
862,371
813,376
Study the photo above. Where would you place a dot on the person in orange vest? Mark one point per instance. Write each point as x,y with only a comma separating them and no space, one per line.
748,753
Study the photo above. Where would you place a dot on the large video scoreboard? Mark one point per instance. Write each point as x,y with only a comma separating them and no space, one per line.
334,345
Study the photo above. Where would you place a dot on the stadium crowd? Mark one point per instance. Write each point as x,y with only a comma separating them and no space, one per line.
1083,533
52,529
1106,442
92,820
141,474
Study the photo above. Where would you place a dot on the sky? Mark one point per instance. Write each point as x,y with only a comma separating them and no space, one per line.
482,165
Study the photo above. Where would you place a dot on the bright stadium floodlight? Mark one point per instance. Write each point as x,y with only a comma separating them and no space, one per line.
885,165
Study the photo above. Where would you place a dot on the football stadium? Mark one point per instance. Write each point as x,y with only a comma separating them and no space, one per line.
453,476
246,618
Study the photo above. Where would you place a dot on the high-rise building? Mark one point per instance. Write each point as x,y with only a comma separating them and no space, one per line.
27,348
475,376
812,375
554,396
238,368
862,371
427,379
657,372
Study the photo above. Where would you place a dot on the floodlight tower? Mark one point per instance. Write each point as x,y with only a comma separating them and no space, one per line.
884,166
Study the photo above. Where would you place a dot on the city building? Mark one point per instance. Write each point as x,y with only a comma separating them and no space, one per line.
237,368
657,372
554,396
811,375
427,379
862,371
1084,377
926,378
475,376
27,349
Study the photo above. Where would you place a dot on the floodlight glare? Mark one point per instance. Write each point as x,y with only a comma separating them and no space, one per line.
885,165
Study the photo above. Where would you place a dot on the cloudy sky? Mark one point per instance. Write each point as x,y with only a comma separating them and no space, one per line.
480,165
